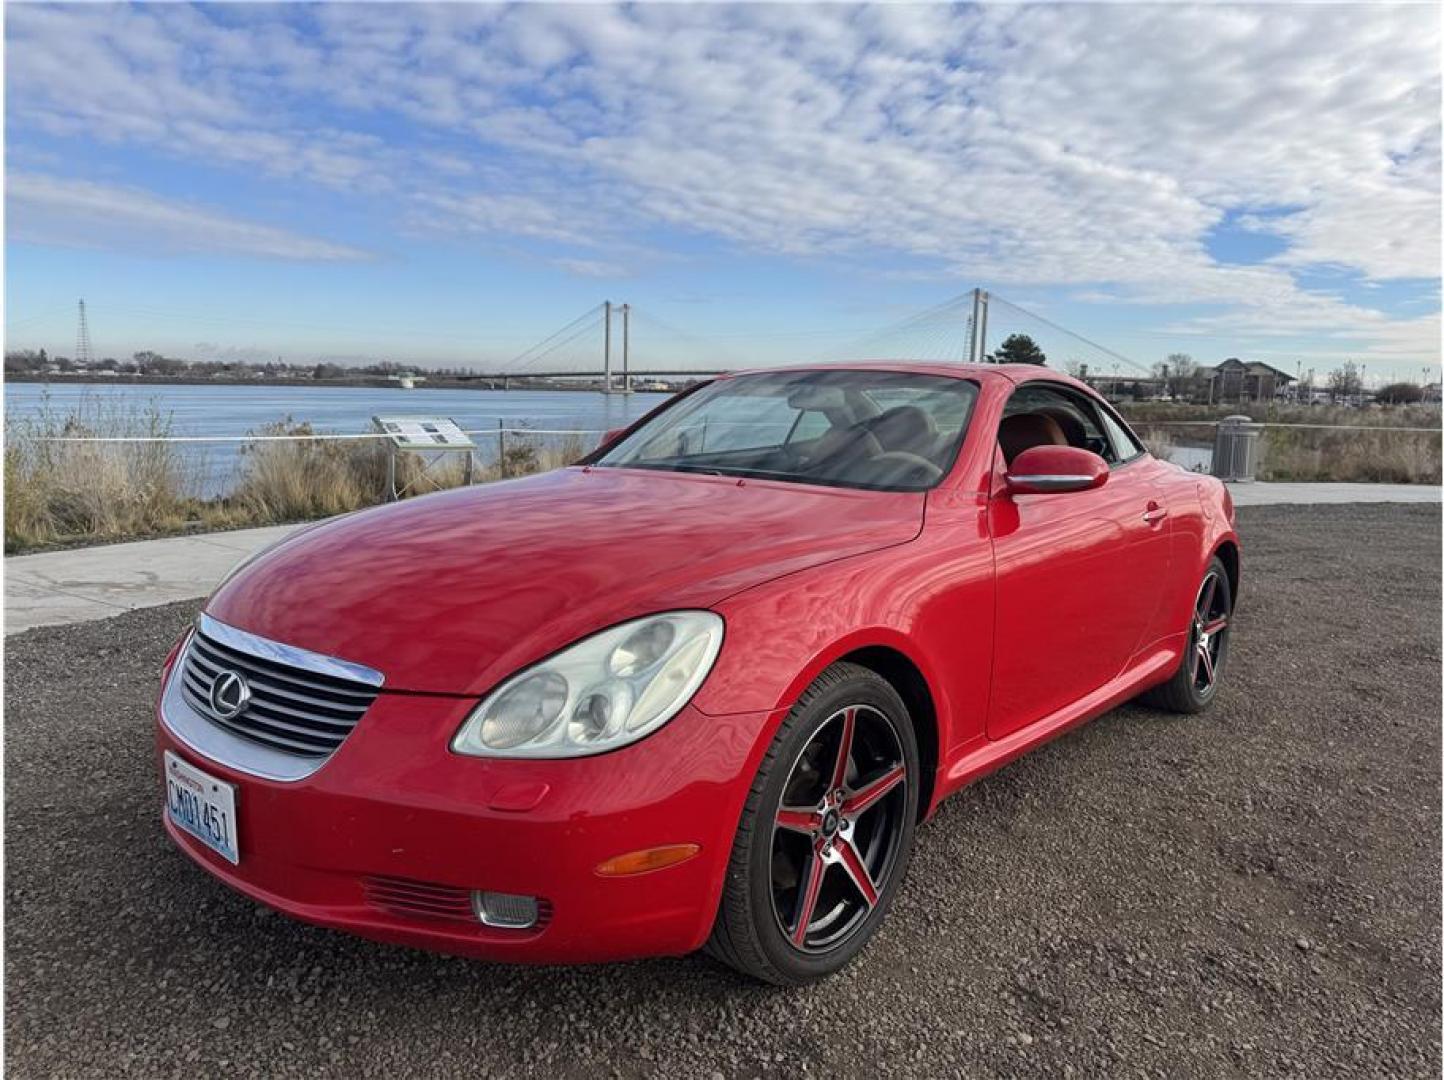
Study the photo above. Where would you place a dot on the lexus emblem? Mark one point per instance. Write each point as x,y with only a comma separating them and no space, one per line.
229,695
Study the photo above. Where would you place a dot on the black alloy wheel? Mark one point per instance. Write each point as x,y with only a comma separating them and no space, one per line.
1195,684
826,834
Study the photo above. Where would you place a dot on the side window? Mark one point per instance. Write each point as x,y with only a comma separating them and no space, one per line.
1072,415
1125,445
810,425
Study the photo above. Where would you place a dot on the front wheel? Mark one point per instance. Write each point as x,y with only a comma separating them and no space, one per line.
826,833
1196,681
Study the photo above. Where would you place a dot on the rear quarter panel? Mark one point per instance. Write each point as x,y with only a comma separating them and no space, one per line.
1203,522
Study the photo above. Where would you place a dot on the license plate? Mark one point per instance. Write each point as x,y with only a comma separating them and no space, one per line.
203,806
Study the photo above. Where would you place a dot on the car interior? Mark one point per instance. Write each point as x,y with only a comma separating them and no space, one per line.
1040,415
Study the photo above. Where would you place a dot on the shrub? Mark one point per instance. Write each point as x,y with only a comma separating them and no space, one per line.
59,491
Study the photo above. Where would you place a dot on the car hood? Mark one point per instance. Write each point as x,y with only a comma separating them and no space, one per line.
451,593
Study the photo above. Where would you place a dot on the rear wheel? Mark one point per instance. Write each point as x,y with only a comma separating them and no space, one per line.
1196,681
826,833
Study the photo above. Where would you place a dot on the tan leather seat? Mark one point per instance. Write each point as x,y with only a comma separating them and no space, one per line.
1018,433
906,428
1074,433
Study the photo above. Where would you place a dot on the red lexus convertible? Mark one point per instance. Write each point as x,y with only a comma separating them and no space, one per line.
699,689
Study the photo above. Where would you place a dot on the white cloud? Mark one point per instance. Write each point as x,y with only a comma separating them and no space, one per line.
503,214
1077,145
591,268
50,209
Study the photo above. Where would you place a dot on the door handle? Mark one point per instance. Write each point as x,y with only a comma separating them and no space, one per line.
1154,513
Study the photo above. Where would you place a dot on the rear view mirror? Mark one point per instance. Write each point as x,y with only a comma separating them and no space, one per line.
1041,470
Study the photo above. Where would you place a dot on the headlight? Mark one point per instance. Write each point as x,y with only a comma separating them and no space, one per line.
601,693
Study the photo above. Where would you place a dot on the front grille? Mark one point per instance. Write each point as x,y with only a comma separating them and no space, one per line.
291,709
425,900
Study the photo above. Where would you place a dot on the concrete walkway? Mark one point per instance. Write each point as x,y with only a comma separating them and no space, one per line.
1271,494
97,582
82,584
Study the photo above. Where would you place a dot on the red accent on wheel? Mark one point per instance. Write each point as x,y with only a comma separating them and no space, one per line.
852,863
807,904
844,749
859,800
799,820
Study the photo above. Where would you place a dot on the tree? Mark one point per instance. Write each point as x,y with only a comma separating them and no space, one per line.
153,363
1177,373
1019,349
1400,393
20,361
1346,382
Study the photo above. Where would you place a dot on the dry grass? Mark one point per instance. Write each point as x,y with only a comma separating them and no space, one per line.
307,478
1358,456
1139,413
59,493
1352,451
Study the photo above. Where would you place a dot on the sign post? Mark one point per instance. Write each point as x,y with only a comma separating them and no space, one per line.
432,438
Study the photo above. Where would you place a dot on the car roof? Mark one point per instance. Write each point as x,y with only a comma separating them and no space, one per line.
1014,373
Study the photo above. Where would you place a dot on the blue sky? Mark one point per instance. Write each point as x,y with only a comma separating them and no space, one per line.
449,184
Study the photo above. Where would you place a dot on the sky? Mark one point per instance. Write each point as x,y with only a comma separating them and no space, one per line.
762,184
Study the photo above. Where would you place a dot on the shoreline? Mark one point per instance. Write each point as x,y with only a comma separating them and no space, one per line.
370,383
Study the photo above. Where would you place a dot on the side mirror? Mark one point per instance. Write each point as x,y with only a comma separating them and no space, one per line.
1041,470
612,436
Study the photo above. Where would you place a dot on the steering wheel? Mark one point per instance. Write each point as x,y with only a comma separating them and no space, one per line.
897,463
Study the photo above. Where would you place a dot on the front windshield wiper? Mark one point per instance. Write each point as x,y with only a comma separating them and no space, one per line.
673,466
739,471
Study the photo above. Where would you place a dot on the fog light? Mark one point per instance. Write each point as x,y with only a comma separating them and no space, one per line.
505,909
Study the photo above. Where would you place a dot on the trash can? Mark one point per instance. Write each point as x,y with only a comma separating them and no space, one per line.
1236,449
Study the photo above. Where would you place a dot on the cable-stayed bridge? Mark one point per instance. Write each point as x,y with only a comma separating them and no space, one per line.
620,345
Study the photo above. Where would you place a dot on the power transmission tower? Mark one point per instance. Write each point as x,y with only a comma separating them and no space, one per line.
84,355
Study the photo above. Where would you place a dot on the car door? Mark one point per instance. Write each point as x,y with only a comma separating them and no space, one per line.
1078,574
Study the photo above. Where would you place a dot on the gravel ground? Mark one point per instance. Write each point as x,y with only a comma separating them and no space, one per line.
1253,892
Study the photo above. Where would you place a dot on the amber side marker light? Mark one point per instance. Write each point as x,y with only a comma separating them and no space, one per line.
647,860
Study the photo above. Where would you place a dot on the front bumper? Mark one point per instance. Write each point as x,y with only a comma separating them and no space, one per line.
394,804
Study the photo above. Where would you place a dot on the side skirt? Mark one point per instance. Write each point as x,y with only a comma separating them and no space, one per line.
1149,669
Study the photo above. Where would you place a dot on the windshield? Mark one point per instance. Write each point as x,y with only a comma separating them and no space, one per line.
883,430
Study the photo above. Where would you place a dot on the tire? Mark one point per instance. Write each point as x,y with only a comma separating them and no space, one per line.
1195,684
809,863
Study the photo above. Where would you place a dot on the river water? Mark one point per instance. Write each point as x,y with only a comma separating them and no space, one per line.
220,409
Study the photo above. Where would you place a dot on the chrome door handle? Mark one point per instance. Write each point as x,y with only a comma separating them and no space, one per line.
1154,513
